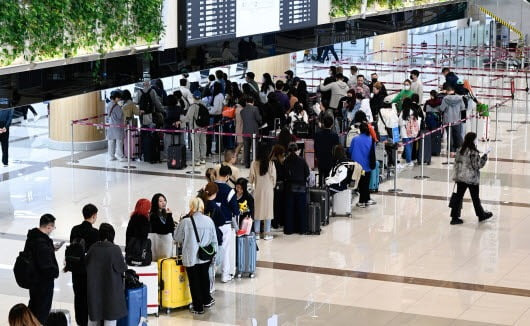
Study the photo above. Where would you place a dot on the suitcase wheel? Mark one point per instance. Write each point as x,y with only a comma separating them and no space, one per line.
238,275
251,275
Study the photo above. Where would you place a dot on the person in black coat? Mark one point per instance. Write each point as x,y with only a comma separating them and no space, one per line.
138,227
162,228
325,140
295,192
278,158
41,248
90,235
377,101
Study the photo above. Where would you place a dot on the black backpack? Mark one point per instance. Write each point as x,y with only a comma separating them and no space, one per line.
146,102
203,116
138,252
300,129
132,280
24,269
74,256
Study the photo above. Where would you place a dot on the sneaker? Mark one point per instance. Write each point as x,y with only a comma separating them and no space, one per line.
361,205
196,312
268,237
203,162
112,159
257,237
456,221
410,164
198,163
487,215
226,280
371,202
400,167
210,304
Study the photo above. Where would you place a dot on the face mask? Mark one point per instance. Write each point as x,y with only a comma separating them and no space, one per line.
120,103
407,87
374,80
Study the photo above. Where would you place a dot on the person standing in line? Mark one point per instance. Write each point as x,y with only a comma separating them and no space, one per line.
20,315
263,178
162,228
451,107
251,123
362,151
197,225
230,160
89,235
278,158
338,90
361,87
105,267
282,98
250,80
409,125
354,71
6,116
42,249
199,139
296,192
325,141
404,93
468,163
215,109
227,201
115,134
129,108
416,86
138,227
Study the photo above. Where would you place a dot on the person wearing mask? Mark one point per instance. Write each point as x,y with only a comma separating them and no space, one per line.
278,158
298,114
251,123
295,192
404,93
289,78
40,247
325,140
158,86
90,235
247,90
138,226
282,98
416,86
227,201
377,101
219,78
175,108
129,108
105,267
215,108
374,80
361,87
115,135
338,89
198,139
230,161
468,163
362,151
263,178
267,87
6,116
409,125
451,107
197,225
162,228
21,315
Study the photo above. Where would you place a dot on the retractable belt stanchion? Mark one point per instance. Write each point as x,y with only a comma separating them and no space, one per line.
395,189
193,140
449,131
422,176
128,131
219,144
72,160
254,153
496,123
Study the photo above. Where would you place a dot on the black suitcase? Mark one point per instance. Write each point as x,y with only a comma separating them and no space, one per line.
321,197
436,143
427,149
176,157
150,146
313,217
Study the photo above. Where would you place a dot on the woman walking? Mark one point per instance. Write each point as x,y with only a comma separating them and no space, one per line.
468,163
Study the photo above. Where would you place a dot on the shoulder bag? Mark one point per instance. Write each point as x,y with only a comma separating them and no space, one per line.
205,253
454,201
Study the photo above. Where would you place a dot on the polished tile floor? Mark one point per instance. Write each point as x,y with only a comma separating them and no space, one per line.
396,263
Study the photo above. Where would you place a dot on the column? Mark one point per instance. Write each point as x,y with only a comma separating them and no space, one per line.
276,65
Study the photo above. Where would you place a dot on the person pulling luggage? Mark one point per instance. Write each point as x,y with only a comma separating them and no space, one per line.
362,151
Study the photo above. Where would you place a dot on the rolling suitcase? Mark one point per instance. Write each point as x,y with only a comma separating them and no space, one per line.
149,277
427,149
136,300
313,216
246,255
309,153
173,284
436,143
375,178
342,203
176,157
150,146
321,196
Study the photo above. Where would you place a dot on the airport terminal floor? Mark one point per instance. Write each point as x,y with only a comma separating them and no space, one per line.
398,262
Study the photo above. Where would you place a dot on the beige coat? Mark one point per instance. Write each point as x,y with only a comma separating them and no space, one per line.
239,124
263,191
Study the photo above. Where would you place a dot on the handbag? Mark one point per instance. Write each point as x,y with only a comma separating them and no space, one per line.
138,252
229,112
454,201
205,253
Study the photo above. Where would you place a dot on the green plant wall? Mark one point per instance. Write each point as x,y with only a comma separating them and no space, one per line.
44,29
345,8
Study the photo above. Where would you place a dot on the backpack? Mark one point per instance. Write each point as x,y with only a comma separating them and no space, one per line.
74,256
343,184
300,129
203,116
131,279
24,269
138,252
146,102
351,134
412,127
432,120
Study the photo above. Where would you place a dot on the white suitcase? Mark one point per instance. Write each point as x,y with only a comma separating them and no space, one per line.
149,277
341,205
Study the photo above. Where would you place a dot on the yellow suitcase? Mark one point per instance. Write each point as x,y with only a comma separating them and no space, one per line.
174,284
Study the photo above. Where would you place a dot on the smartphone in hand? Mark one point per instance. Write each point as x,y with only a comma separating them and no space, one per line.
58,244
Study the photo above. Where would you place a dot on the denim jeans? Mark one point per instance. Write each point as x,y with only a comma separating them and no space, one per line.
266,226
408,150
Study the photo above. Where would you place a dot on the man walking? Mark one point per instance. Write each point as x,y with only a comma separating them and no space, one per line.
5,122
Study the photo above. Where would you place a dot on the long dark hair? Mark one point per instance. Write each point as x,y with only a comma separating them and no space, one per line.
263,159
469,143
155,210
267,82
408,109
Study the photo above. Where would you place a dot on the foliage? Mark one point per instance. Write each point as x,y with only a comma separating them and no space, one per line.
345,8
42,29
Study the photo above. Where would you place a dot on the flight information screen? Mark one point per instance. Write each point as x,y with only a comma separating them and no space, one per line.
218,20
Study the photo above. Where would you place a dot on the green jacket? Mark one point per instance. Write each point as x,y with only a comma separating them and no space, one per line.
400,97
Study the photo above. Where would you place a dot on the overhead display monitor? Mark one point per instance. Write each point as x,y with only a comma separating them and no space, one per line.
218,20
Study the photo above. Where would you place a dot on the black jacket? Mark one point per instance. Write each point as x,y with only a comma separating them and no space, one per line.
376,103
325,141
162,228
281,171
138,227
214,212
87,232
41,248
297,172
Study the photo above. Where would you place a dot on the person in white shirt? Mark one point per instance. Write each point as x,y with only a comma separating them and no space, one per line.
417,85
186,93
298,114
365,107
